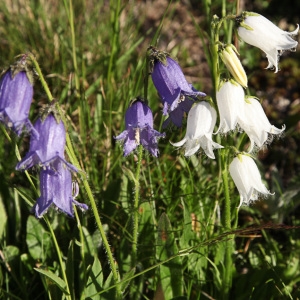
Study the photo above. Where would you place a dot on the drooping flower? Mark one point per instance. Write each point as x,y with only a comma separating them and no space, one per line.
56,188
229,56
247,179
16,92
258,31
230,100
176,93
256,124
139,129
200,125
49,147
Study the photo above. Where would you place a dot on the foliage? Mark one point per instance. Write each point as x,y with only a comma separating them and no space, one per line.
93,57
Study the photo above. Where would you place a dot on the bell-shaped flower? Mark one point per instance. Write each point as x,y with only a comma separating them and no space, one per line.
49,147
229,57
16,93
139,129
177,95
247,179
56,189
200,125
230,100
256,124
258,31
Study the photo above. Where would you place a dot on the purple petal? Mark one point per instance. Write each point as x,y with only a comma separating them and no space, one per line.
56,189
15,100
49,147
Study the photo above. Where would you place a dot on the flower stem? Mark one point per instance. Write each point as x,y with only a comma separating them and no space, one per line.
136,207
41,77
75,162
228,264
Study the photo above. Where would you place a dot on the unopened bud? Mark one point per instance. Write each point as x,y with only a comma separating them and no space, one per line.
233,64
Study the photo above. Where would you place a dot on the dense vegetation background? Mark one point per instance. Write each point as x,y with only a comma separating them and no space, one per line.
92,54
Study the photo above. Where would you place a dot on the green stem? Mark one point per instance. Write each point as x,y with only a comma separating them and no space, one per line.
75,162
70,13
136,207
228,264
227,213
82,296
215,56
62,265
41,77
116,29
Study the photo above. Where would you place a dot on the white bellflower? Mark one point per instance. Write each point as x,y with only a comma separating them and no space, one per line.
247,179
230,100
200,125
256,124
258,31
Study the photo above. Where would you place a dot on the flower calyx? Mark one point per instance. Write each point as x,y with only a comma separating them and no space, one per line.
155,55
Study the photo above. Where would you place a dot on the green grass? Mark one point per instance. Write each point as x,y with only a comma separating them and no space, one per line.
93,57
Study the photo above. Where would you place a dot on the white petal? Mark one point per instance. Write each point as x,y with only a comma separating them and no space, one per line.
230,100
256,124
268,37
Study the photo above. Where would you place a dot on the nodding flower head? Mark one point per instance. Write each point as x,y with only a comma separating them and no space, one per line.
258,31
56,188
139,129
247,179
16,92
230,100
200,125
177,95
49,147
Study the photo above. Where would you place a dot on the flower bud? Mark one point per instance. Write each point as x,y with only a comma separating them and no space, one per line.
233,64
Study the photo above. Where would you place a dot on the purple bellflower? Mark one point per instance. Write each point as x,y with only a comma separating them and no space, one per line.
16,93
176,93
49,147
139,129
56,189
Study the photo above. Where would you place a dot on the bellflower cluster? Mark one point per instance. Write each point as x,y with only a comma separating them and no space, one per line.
47,152
200,125
16,92
47,140
258,31
139,129
247,179
177,95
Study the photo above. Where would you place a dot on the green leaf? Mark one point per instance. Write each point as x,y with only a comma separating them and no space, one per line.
53,277
127,276
3,218
70,271
171,275
95,281
38,239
